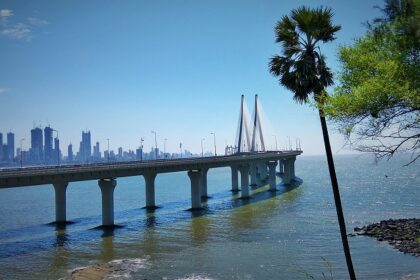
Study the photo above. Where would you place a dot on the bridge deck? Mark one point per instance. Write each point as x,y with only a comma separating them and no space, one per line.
19,177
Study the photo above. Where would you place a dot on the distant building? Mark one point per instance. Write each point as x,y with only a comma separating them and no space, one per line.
1,146
120,153
36,151
56,156
96,152
3,152
70,153
11,146
48,144
139,155
85,150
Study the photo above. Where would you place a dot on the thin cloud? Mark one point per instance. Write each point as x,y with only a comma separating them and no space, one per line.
19,30
5,13
37,21
3,91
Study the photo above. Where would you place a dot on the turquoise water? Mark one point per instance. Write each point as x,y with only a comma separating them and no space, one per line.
285,235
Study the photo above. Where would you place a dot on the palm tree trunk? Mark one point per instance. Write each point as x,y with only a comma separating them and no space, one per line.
337,199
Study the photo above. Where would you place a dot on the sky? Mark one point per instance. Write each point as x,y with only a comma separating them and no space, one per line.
178,67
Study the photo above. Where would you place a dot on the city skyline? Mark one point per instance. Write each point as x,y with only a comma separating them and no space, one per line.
177,69
42,151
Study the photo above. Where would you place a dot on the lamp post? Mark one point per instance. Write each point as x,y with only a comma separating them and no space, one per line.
21,152
275,138
141,149
290,143
156,153
214,141
202,151
164,147
108,148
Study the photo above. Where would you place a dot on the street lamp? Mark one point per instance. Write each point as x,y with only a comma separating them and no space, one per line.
214,141
202,151
164,147
108,148
275,138
21,152
156,152
141,149
290,143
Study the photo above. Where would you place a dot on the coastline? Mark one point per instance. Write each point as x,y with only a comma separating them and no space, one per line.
402,234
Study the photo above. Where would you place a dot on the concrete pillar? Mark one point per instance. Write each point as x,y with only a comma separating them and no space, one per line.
149,179
203,183
195,177
287,172
272,175
253,173
234,171
60,201
107,189
244,169
292,168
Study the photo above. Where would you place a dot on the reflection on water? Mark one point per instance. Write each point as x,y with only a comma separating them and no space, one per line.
61,250
107,247
199,228
270,234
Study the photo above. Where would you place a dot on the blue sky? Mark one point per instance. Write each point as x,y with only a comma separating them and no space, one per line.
179,67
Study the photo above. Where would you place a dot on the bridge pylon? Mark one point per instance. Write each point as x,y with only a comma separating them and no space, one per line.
247,141
243,143
257,130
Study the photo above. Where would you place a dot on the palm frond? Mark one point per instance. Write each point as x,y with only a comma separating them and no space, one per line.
300,68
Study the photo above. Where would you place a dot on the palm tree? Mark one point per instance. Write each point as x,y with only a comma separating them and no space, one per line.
302,69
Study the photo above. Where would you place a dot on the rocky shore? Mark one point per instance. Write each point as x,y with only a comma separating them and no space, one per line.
402,234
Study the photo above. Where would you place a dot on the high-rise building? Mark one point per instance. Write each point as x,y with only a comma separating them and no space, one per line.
1,146
96,152
56,156
120,153
36,151
85,147
48,144
11,145
70,153
4,152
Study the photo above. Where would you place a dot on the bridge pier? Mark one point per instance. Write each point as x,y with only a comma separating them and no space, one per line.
253,174
60,189
107,189
292,168
195,177
289,171
203,183
272,174
149,179
234,171
244,169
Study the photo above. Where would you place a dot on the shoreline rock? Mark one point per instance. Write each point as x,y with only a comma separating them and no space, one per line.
402,234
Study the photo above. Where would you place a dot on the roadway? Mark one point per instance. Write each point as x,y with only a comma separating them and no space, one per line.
29,176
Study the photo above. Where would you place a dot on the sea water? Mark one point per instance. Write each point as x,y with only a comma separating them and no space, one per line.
290,234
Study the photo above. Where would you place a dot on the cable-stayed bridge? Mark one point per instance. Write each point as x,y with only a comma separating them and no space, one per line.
251,160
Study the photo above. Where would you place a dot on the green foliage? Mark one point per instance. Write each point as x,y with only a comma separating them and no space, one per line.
377,103
302,68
